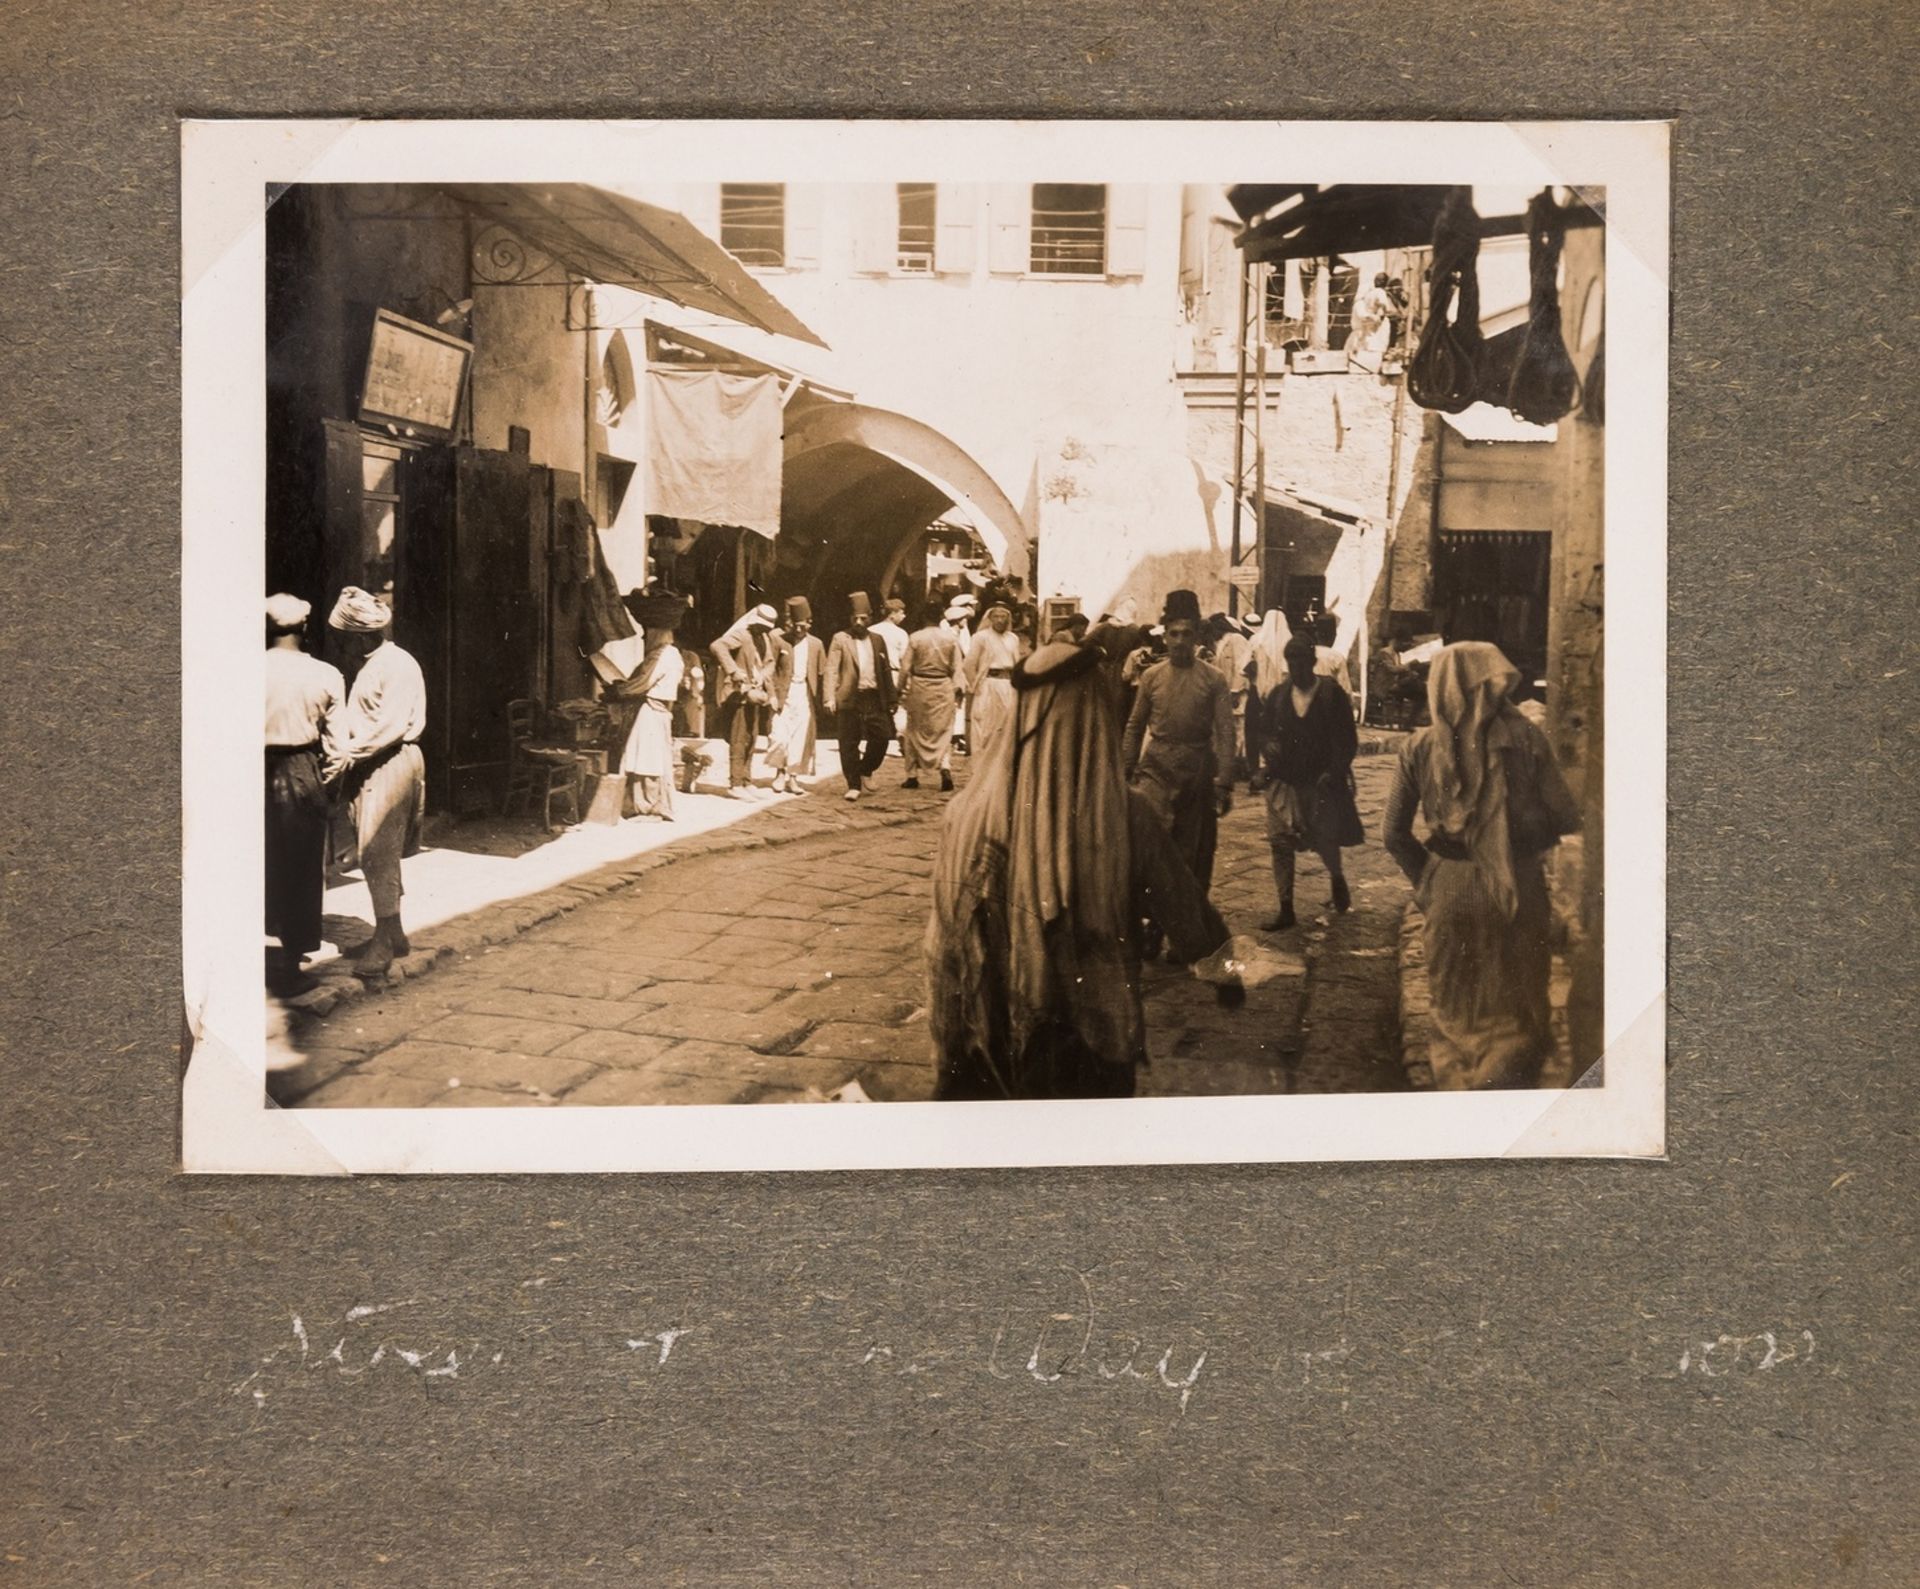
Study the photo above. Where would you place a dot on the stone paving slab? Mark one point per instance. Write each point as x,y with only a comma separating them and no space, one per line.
507,1034
615,1050
568,1008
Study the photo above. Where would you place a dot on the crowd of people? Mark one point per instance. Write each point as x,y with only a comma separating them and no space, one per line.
1085,843
1101,758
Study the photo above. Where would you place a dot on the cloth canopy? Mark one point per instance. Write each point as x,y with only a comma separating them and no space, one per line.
714,448
609,238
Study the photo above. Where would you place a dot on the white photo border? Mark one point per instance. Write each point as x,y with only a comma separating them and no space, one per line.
229,1126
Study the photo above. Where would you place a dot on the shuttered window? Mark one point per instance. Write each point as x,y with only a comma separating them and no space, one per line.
1068,235
918,209
753,222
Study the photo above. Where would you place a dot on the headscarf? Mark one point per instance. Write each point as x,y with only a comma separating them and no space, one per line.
1037,848
1270,653
740,635
359,612
1464,790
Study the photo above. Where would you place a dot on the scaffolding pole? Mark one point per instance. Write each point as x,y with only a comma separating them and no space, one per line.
1249,450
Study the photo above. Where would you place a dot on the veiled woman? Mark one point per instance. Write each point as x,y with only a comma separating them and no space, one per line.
1047,864
1494,802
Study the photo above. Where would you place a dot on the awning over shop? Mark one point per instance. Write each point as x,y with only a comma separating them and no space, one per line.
608,238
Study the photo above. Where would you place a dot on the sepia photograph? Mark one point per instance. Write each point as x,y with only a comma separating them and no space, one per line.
1004,615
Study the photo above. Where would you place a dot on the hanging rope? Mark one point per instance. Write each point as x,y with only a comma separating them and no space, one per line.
1446,366
1545,384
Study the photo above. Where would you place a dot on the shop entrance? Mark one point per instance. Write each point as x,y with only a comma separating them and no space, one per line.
1492,585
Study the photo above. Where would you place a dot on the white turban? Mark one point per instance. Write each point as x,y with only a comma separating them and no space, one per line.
359,612
955,613
764,616
286,612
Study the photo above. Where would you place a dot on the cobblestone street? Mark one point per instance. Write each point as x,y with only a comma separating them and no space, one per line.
788,964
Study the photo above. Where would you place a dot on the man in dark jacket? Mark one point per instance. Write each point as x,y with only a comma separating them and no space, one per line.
1305,729
860,691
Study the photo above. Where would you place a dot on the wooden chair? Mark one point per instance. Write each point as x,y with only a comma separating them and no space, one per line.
542,773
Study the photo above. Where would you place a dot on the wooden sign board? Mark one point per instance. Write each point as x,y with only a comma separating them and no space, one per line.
415,375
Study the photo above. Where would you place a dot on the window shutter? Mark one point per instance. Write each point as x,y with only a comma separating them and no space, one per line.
956,206
1010,206
876,228
803,225
700,203
1127,229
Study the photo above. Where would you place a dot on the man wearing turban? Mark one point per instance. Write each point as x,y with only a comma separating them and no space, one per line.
304,697
376,748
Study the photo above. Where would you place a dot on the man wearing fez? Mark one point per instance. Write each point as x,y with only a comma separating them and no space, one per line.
755,669
859,688
304,696
1186,770
376,746
791,740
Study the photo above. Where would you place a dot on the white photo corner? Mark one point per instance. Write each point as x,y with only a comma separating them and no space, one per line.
822,645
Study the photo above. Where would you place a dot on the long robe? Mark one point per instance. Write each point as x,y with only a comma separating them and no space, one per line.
1495,803
1046,863
791,740
990,698
648,755
931,665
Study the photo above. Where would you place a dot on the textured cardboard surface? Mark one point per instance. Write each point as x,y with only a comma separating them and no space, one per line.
1540,1373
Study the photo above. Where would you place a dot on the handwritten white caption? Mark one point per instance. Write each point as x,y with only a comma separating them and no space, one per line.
1049,1346
1747,1354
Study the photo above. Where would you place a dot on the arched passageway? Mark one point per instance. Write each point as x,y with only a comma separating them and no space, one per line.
859,484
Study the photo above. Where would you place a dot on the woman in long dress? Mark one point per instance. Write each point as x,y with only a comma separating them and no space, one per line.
647,760
931,690
989,679
1495,802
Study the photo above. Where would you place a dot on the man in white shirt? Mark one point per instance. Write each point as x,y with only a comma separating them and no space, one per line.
376,745
304,695
892,630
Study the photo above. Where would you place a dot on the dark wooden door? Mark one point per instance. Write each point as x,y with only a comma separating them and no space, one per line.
470,605
1492,585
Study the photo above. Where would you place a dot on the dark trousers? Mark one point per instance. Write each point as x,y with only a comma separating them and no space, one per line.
745,722
296,848
865,731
